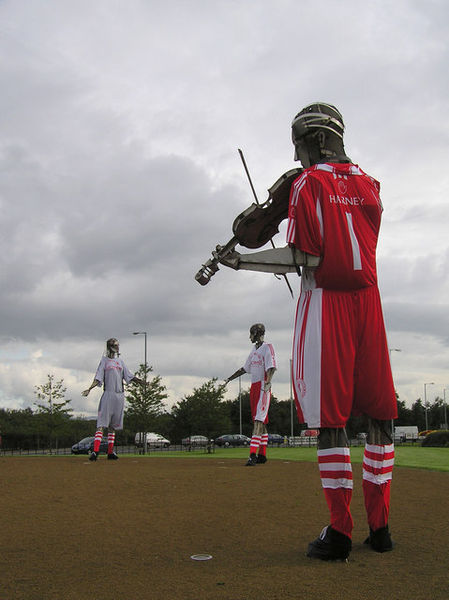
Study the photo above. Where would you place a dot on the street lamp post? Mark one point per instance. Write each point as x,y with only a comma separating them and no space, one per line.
425,402
392,420
240,403
445,408
291,400
144,383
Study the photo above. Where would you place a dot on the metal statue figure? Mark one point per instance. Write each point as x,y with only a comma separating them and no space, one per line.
261,365
111,373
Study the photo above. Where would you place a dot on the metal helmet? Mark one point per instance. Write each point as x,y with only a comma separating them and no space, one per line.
257,330
112,346
317,116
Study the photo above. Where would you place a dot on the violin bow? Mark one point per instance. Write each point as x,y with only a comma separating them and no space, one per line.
258,204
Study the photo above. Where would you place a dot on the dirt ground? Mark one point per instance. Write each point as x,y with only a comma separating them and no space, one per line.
125,530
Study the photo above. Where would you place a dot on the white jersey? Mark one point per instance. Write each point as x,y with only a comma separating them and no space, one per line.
111,372
259,361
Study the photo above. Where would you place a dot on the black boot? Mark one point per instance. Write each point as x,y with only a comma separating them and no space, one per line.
330,545
252,460
380,540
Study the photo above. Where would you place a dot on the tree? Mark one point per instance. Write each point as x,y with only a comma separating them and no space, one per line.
436,413
202,412
419,414
145,402
17,428
279,416
55,411
233,410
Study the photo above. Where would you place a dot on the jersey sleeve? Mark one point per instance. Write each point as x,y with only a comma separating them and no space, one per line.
99,375
127,375
305,223
247,365
269,358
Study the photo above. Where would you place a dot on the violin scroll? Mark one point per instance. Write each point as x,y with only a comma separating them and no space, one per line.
210,267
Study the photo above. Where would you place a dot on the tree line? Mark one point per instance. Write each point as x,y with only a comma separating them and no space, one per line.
204,411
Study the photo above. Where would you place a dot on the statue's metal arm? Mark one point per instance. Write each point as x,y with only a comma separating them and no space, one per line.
274,260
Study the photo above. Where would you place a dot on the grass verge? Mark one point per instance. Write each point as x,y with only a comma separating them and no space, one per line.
417,457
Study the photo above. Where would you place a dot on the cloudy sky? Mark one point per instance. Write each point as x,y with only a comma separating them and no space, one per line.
120,122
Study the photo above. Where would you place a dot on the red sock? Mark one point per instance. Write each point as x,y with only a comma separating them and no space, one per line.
263,445
255,443
336,479
111,441
377,469
97,441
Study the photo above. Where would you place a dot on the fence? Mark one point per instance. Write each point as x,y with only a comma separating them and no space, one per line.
119,450
130,449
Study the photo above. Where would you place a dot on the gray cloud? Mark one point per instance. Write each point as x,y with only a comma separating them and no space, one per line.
119,173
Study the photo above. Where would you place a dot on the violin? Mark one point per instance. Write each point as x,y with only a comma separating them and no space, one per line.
255,226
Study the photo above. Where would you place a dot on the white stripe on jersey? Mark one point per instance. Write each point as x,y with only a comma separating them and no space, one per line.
319,214
356,258
297,187
324,167
291,226
353,169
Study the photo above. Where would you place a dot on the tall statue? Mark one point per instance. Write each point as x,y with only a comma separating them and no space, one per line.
341,364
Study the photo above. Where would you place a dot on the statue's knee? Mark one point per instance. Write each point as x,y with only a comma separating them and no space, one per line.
330,437
258,428
379,432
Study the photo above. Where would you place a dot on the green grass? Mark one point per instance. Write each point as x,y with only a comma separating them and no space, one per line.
415,457
435,459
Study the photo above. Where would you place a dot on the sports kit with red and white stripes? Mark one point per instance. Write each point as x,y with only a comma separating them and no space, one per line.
257,364
341,364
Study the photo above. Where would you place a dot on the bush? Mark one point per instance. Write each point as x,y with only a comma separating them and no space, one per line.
437,439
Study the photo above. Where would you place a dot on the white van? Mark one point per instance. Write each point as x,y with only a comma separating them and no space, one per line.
406,433
154,440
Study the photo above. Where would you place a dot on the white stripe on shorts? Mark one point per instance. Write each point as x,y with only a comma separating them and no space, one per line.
307,364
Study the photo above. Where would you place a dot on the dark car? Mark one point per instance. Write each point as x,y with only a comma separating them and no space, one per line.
233,440
274,439
86,446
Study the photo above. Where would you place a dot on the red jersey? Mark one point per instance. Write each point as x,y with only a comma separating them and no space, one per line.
335,212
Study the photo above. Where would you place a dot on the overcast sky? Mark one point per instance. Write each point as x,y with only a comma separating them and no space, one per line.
119,173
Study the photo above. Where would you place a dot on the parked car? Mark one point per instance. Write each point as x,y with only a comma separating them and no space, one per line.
154,440
86,446
274,439
233,440
195,440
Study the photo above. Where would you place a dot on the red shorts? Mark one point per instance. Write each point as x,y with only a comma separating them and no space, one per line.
259,402
341,363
